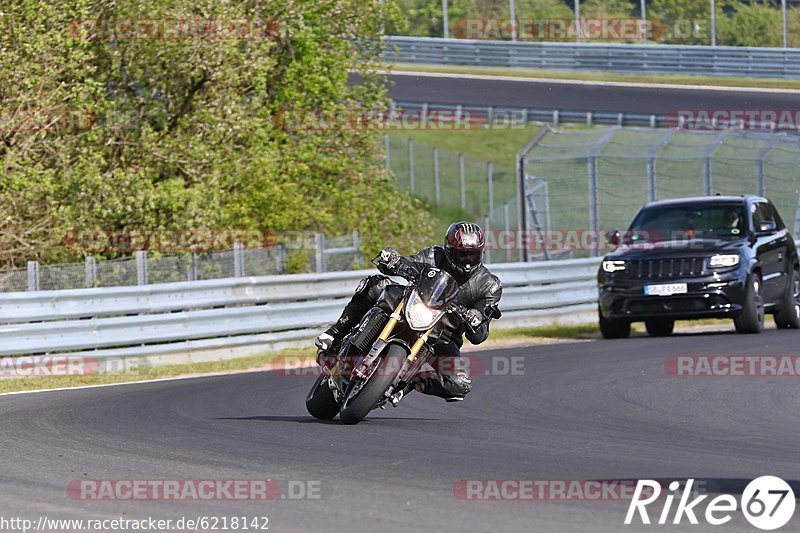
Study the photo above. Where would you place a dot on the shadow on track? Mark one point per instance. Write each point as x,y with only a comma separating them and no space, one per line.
311,420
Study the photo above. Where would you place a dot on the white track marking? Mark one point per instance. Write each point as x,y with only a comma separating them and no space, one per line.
592,83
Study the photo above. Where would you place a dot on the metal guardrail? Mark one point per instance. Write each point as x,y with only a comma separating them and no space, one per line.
213,314
507,116
651,59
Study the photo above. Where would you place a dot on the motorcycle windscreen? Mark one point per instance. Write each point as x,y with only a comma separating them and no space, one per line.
436,288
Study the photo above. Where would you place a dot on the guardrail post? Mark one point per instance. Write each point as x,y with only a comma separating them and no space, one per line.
489,116
357,245
490,180
424,113
436,193
556,117
33,275
141,267
620,118
652,121
280,258
319,246
90,271
525,117
589,118
411,165
193,273
461,180
238,260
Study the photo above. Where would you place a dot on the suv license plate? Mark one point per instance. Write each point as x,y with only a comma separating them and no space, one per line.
667,289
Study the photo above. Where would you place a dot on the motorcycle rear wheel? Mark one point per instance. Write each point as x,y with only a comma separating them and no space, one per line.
356,407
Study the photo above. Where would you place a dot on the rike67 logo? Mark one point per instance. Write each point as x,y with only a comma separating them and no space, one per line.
767,503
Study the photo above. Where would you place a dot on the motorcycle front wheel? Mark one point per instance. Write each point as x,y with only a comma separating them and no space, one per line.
363,400
320,401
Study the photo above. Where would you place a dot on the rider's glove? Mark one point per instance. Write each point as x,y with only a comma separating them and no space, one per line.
474,317
324,341
390,257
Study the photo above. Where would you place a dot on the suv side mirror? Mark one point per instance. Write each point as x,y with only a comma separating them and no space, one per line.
613,237
767,227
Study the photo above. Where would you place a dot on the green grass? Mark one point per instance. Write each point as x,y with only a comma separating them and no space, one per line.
149,373
560,331
722,81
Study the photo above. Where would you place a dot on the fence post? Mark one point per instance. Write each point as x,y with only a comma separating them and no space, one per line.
462,182
141,267
593,212
490,179
90,270
319,246
507,227
411,165
238,260
487,228
33,275
651,179
436,193
386,162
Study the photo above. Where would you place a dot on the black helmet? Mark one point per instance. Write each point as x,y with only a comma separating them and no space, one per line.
463,246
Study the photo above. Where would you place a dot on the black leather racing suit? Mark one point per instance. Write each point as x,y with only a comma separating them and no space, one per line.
478,291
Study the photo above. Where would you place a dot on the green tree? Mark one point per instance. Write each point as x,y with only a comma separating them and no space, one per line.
189,132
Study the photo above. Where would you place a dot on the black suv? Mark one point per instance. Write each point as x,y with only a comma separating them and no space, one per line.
707,257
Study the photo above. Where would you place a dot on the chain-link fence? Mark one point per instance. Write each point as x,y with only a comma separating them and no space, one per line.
597,179
308,253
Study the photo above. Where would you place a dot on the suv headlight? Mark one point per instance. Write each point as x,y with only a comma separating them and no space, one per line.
723,260
419,315
613,266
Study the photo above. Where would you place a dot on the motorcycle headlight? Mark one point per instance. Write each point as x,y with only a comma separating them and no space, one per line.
723,261
613,266
419,315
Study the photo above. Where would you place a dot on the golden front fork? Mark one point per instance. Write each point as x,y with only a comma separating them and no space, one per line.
389,327
418,345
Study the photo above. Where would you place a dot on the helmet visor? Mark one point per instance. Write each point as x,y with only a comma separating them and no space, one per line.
465,258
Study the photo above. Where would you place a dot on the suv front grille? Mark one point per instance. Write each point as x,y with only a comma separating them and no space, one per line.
664,268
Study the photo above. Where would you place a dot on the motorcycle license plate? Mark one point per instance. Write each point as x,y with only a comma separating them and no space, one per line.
666,289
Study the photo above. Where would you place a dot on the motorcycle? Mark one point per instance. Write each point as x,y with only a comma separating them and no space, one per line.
378,359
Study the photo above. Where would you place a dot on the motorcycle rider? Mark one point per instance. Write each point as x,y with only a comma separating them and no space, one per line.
462,257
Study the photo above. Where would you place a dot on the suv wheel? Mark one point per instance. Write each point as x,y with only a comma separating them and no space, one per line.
787,315
752,318
613,329
660,327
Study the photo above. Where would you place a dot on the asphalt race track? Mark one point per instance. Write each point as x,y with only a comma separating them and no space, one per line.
584,410
581,96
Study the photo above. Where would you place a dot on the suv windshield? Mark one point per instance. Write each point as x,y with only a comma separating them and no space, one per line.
689,221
